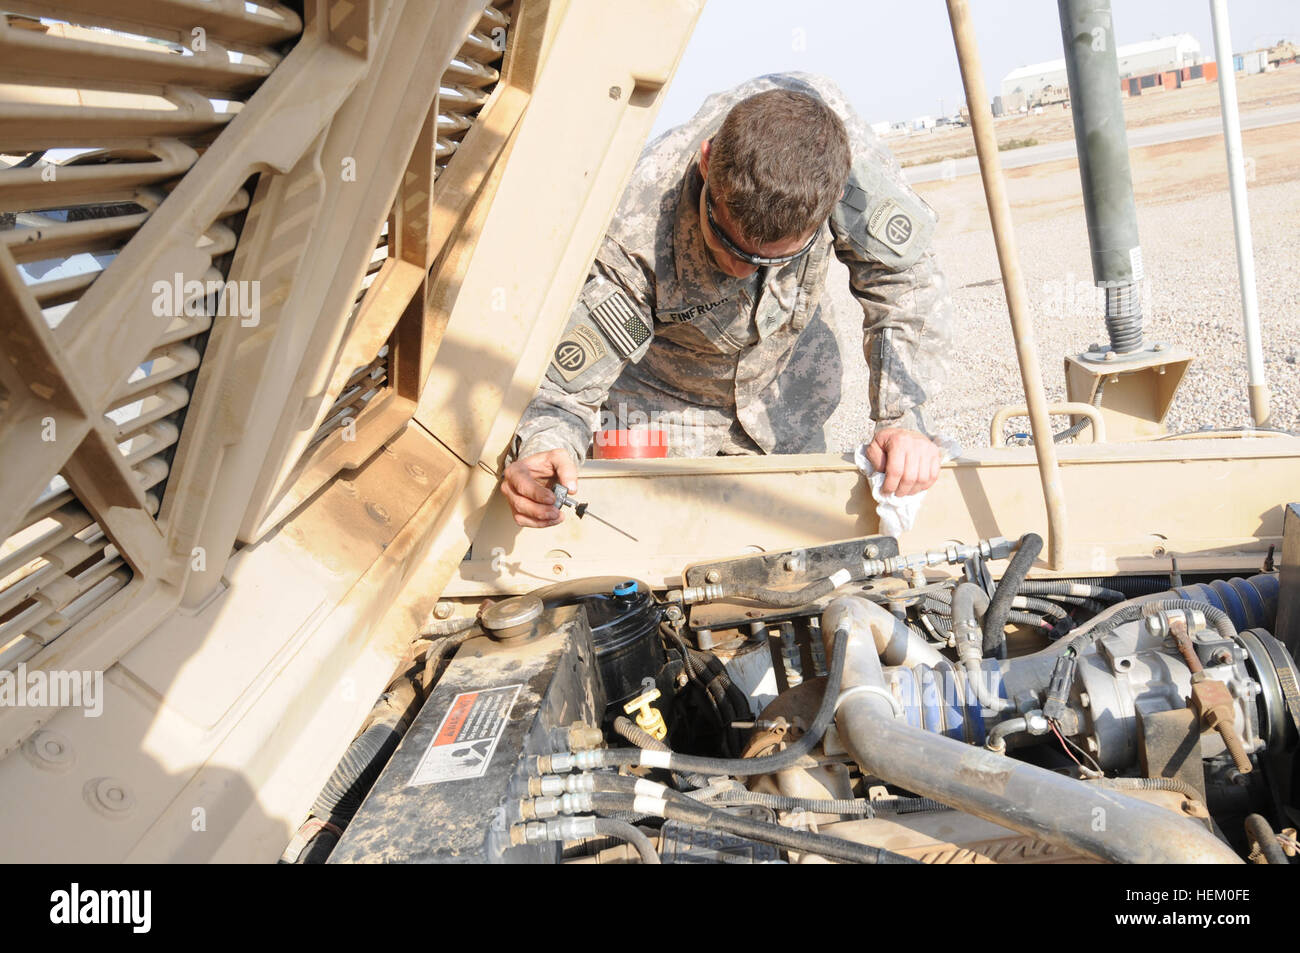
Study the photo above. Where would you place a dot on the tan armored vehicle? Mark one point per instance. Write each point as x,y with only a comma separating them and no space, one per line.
276,283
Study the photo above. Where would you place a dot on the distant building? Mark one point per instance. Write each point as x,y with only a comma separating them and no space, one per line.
881,128
921,123
1045,83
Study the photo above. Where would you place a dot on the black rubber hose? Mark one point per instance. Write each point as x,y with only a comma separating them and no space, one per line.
1128,586
783,598
356,772
1042,606
437,652
611,827
995,620
1150,784
633,733
1260,834
937,606
679,808
763,764
1086,603
319,847
1015,616
848,807
1071,590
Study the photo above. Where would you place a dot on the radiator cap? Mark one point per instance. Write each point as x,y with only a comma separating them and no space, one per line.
512,618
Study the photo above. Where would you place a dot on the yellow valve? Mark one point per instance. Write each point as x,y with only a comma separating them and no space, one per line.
648,718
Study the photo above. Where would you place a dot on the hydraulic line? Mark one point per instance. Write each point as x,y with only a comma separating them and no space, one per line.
1149,784
995,620
1049,609
1077,589
633,733
678,808
622,830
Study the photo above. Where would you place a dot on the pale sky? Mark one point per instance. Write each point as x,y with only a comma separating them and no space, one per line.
894,59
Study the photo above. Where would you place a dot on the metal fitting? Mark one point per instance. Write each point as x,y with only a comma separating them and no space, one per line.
563,761
555,785
583,737
693,594
557,829
549,806
997,547
1036,723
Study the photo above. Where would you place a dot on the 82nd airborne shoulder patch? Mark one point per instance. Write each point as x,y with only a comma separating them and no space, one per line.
892,226
577,351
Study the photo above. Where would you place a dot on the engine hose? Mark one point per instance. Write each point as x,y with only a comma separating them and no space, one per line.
995,619
1263,841
678,808
1085,603
1016,617
1150,784
937,606
1128,586
742,767
1050,609
851,806
1071,590
437,652
908,805
633,733
622,830
365,757
854,807
356,772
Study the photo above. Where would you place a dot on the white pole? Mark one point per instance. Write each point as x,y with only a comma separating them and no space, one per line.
1258,385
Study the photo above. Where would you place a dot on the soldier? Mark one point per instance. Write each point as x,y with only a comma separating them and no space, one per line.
701,316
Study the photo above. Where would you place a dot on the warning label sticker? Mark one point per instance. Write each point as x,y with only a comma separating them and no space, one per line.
467,737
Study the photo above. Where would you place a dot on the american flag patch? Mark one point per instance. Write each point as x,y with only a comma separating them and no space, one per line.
621,325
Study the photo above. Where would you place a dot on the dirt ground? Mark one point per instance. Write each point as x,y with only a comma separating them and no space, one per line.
1162,174
1278,88
1191,295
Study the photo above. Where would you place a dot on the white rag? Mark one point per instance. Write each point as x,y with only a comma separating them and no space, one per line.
898,513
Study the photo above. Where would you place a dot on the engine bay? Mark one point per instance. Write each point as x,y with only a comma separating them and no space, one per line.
843,703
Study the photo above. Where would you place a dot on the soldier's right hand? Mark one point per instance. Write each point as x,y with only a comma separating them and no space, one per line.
526,485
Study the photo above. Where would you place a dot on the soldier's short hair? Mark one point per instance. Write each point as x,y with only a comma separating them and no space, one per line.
779,164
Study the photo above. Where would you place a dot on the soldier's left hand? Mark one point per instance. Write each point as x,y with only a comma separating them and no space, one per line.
909,460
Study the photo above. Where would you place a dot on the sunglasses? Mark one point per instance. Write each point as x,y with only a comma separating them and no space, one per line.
741,254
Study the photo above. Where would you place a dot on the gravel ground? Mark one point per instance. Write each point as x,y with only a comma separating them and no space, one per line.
1192,300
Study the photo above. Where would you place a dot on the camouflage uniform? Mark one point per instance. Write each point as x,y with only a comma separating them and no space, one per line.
660,336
